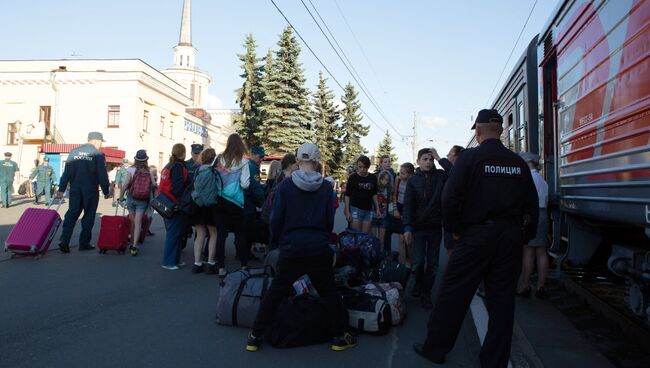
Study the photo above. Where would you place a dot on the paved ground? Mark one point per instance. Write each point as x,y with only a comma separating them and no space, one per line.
87,309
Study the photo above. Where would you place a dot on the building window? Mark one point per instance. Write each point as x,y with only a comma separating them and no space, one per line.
12,134
44,115
192,91
171,130
114,116
162,126
145,121
160,160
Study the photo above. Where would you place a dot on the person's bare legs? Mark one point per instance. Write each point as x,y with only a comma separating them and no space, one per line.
365,226
212,244
527,268
137,227
356,225
542,266
201,232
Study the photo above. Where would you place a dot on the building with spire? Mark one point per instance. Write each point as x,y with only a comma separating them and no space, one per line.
47,107
184,70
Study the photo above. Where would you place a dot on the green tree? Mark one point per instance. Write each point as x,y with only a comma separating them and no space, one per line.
352,128
386,149
287,115
326,125
249,97
266,93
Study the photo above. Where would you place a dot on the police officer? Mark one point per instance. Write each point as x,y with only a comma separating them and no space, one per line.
45,178
195,161
85,169
490,207
8,170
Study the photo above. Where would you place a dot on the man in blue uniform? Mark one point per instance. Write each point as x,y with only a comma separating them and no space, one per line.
195,161
490,205
45,178
85,170
8,170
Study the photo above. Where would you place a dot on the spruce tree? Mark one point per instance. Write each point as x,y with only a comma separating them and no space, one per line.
249,97
386,149
287,122
266,93
352,128
326,125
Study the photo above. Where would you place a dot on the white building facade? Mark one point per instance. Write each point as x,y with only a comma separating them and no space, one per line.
133,104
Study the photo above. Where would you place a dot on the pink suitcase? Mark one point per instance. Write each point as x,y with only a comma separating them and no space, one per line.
33,233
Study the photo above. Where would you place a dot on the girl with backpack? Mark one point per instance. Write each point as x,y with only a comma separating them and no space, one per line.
139,185
173,180
235,176
204,215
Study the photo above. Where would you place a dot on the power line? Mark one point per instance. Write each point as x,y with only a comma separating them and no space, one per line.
359,45
344,54
350,71
319,60
511,52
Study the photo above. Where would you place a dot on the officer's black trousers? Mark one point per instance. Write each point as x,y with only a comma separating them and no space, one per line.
80,200
489,252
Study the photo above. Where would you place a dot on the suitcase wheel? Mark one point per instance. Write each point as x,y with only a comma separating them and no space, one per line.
102,251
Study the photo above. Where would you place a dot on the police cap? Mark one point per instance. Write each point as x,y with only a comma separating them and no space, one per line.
488,116
8,154
197,148
96,136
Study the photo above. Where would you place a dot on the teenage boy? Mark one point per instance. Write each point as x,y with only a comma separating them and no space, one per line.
422,218
360,195
301,222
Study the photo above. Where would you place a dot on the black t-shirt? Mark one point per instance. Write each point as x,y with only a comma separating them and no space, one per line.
360,190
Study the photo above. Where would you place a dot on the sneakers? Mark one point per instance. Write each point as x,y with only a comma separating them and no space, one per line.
86,247
134,251
540,293
181,264
344,342
212,269
64,248
197,268
253,343
171,268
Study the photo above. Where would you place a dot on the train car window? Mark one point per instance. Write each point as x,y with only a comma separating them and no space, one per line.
512,141
523,146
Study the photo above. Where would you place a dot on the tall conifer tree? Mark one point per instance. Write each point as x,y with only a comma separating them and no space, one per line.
249,97
327,129
287,116
386,149
267,96
352,128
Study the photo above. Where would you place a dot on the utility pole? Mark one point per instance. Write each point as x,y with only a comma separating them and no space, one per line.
414,142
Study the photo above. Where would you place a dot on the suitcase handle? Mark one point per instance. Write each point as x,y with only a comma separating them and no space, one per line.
120,204
58,206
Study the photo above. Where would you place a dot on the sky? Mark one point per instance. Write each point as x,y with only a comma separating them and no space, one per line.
436,60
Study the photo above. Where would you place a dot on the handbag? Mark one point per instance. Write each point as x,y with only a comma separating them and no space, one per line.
164,205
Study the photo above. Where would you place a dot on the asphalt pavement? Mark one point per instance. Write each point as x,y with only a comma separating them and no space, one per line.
88,309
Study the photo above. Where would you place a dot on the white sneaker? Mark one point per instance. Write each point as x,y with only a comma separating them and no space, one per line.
171,268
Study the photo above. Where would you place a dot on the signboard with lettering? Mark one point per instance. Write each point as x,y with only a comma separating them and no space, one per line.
196,129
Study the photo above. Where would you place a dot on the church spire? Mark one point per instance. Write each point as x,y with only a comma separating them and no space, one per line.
186,24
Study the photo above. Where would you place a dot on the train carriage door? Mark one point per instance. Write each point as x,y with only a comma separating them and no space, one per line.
522,128
548,146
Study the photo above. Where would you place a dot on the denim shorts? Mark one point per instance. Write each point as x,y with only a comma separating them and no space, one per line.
136,205
360,215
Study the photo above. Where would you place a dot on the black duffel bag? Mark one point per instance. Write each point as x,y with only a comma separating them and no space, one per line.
393,271
299,321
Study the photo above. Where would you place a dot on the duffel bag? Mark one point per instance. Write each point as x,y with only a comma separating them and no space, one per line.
356,244
367,313
393,293
299,321
241,295
393,271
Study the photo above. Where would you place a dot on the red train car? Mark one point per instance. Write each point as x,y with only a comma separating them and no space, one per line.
580,98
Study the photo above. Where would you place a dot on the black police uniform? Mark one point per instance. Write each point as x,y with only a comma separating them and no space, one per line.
491,202
85,170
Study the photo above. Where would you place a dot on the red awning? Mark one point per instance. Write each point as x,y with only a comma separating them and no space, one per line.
113,155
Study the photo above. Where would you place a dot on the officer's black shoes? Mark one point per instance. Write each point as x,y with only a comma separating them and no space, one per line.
419,349
540,293
64,248
426,301
253,343
344,342
524,293
87,247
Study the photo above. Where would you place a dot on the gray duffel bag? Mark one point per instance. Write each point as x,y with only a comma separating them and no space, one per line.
241,295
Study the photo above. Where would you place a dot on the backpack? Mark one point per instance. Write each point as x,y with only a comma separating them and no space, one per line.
140,185
165,185
359,249
299,321
207,187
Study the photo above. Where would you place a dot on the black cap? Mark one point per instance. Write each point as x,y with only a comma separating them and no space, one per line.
488,116
197,148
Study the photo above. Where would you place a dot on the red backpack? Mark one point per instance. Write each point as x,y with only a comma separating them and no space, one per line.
140,185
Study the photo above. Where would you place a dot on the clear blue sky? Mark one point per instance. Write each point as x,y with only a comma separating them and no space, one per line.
439,58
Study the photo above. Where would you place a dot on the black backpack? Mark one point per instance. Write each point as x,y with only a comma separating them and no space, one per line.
299,321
